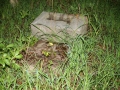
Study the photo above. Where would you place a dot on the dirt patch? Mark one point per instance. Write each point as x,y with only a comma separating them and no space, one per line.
49,55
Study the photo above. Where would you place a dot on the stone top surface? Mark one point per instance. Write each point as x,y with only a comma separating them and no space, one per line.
53,23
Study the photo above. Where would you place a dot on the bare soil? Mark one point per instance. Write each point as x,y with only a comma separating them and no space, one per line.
49,55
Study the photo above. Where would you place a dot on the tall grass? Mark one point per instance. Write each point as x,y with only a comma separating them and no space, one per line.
93,59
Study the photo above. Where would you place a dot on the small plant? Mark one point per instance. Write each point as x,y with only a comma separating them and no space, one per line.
24,14
46,53
7,55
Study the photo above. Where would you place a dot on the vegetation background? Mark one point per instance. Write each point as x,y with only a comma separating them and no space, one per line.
93,59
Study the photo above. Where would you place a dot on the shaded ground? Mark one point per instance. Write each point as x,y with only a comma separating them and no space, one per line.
49,56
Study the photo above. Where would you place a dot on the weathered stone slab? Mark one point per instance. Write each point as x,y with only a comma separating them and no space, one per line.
54,25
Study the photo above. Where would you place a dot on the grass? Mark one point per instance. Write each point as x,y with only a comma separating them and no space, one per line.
93,59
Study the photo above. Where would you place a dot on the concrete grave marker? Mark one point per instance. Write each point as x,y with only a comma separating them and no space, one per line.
57,24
